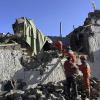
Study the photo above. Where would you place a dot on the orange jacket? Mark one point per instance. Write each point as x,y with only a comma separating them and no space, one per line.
85,69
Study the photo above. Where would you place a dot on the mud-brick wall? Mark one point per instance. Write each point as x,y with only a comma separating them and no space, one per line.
94,43
11,68
53,73
10,55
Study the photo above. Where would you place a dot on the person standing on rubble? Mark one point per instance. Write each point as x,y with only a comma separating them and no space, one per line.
85,69
71,73
70,53
58,45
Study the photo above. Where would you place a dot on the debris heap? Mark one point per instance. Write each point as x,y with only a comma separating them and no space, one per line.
51,91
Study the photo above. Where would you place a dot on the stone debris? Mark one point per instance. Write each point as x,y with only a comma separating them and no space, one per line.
14,89
51,91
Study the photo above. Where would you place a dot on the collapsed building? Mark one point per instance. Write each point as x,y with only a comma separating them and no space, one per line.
86,39
23,56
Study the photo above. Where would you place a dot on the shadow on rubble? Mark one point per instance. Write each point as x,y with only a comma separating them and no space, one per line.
32,74
33,77
30,77
42,59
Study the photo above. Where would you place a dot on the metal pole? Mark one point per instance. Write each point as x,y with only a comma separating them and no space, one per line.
60,30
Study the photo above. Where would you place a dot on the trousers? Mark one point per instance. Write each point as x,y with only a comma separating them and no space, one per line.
71,86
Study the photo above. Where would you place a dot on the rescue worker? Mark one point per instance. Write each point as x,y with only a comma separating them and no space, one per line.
71,73
70,53
58,45
85,69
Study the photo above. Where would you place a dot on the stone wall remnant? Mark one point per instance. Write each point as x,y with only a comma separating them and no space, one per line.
86,39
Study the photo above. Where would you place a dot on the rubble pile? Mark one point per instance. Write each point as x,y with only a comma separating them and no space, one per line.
95,88
51,91
39,62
